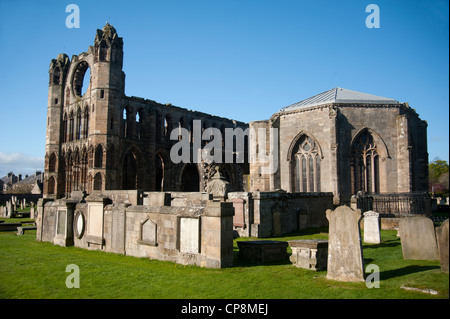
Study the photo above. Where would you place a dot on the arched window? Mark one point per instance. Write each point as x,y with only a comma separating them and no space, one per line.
306,165
98,181
125,124
180,126
167,126
64,136
98,158
159,173
139,121
71,126
56,75
78,125
51,186
85,130
190,180
52,163
365,164
130,171
103,52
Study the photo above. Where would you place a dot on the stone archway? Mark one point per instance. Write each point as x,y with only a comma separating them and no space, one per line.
190,178
129,172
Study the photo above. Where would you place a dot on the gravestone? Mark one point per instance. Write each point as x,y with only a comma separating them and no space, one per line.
32,212
189,235
9,211
442,240
238,218
372,227
345,256
309,253
418,238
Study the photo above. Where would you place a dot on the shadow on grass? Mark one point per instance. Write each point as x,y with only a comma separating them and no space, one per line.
405,271
387,243
240,263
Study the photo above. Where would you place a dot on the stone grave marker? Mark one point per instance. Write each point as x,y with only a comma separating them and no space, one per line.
418,238
345,256
442,240
372,227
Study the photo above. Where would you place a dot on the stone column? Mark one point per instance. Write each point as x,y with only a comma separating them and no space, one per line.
334,158
217,235
403,163
39,217
64,223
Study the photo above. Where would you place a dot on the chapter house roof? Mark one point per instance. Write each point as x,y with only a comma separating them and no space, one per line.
339,95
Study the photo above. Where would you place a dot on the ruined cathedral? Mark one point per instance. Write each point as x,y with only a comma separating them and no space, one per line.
339,141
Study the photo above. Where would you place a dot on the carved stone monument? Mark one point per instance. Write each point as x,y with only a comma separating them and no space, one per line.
418,238
372,227
345,257
218,186
442,239
309,253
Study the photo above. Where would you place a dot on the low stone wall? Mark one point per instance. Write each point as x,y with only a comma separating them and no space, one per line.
266,214
200,235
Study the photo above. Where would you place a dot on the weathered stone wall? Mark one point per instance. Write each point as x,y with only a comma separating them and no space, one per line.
269,214
200,235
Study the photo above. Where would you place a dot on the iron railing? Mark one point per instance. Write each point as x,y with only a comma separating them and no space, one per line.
395,204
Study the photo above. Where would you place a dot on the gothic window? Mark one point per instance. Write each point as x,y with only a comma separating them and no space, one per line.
64,137
180,126
307,166
139,121
71,127
52,163
98,181
98,159
78,125
130,171
125,124
51,186
56,76
86,123
103,52
167,126
365,164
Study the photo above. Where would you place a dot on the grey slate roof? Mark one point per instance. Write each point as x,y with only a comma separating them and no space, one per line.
339,95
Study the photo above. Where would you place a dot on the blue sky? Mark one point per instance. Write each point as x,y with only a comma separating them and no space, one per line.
241,59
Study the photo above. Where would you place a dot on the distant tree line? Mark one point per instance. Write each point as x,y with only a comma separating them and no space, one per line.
438,178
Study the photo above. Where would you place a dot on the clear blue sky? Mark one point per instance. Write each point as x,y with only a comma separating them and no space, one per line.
241,59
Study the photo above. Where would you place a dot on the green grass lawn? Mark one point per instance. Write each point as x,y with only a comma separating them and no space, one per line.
31,269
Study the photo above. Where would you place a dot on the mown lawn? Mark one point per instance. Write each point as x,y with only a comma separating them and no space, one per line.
31,269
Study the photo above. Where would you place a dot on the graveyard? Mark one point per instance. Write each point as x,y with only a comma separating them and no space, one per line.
33,269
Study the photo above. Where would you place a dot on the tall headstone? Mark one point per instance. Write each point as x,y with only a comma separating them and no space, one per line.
9,211
442,240
418,238
345,257
372,227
